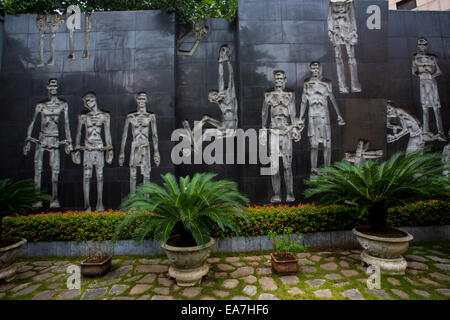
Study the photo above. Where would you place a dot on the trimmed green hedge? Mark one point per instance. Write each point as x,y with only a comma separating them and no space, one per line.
187,11
74,225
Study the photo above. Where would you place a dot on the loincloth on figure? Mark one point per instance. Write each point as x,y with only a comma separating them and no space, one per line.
140,155
319,130
428,93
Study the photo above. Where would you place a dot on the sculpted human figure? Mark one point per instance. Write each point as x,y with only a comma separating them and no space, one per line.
50,110
316,91
425,66
94,149
342,32
401,123
225,98
199,30
56,21
42,25
140,122
281,102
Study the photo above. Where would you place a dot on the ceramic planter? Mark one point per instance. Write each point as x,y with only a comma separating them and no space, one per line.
383,252
283,266
188,264
8,256
95,269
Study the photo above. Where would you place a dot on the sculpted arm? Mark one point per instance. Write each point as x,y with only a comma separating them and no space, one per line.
265,113
124,141
26,147
340,119
109,146
69,146
156,157
437,71
76,155
303,105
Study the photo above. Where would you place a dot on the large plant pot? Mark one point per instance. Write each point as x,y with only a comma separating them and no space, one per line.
95,269
384,252
188,264
284,265
8,256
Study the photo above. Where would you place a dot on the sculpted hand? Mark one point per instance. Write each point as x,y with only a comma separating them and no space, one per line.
121,158
76,157
341,121
157,158
26,148
109,156
69,148
263,137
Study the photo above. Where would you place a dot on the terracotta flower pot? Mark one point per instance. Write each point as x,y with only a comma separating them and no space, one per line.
188,264
8,256
284,263
95,269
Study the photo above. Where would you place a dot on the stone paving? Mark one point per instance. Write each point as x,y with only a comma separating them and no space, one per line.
336,275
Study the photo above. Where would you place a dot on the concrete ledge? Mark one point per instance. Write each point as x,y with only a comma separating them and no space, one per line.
325,240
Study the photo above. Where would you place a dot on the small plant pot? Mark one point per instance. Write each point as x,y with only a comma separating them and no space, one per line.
97,268
284,263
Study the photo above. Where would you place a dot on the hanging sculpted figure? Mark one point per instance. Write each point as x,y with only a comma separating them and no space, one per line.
199,30
94,149
281,102
342,32
140,122
316,91
425,66
73,22
402,123
50,110
226,98
42,23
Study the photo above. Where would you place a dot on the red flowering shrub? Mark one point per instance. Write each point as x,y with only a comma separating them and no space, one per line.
73,225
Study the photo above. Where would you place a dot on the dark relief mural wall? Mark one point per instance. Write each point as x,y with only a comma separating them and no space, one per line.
136,51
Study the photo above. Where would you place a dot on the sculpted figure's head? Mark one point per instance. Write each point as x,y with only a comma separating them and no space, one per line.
391,111
340,7
89,100
224,53
280,79
52,87
141,99
316,69
213,96
422,44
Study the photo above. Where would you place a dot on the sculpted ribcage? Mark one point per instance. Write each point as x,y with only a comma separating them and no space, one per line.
50,119
94,128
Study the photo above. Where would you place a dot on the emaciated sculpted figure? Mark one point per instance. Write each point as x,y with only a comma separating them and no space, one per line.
50,110
199,30
225,98
316,91
140,122
402,123
94,149
342,32
425,66
281,102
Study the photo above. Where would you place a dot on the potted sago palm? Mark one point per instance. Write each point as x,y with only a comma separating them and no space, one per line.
16,198
375,187
180,214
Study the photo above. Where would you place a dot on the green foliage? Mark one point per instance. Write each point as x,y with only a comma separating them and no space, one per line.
78,226
285,242
18,198
375,187
187,11
188,207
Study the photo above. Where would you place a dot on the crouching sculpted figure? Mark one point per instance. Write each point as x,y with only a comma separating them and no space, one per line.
402,123
342,32
94,149
225,98
281,102
50,110
316,91
425,66
140,122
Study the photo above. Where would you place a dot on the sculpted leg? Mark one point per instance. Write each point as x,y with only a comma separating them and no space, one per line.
327,154
276,198
288,178
38,155
86,184
426,117
54,164
340,69
437,115
314,153
356,87
146,174
133,179
99,171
